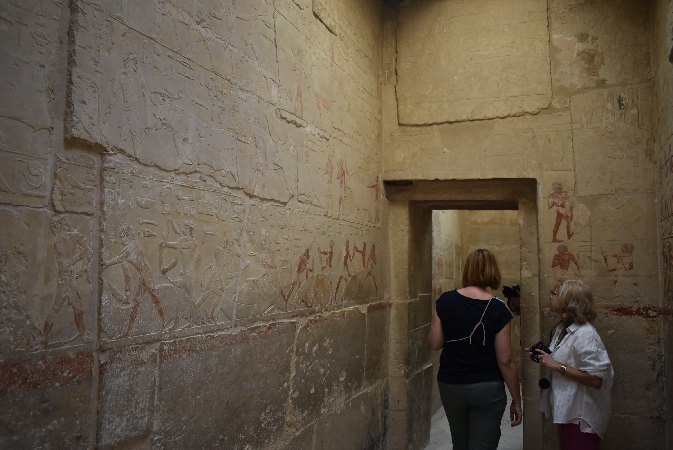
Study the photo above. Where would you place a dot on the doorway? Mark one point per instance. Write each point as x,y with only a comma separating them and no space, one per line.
455,234
411,205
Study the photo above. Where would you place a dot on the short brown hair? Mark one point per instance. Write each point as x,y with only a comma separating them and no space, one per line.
481,269
577,302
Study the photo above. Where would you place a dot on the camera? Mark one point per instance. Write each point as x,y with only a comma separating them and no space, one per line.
538,346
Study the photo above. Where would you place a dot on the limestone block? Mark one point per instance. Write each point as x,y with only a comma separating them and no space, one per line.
328,83
337,179
420,387
171,250
205,393
553,140
234,40
419,352
633,342
47,280
29,46
364,417
501,69
377,349
330,362
504,148
635,291
622,218
662,68
136,96
300,261
307,75
76,186
665,194
667,269
47,402
127,394
613,152
637,431
25,178
598,43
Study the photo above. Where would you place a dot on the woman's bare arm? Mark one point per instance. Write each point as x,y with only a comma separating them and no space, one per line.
435,335
503,352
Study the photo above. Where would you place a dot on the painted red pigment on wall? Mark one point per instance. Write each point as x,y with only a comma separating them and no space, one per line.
647,312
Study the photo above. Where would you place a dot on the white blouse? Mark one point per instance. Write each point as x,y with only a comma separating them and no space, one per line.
569,401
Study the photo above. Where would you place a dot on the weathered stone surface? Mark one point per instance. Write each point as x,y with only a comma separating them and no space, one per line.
46,276
632,341
76,182
420,389
613,152
360,424
171,250
634,290
501,70
505,148
662,68
598,43
622,218
164,109
31,45
378,337
234,41
331,84
128,394
206,393
330,362
47,402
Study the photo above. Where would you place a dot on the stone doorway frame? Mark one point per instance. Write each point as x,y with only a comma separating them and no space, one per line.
409,280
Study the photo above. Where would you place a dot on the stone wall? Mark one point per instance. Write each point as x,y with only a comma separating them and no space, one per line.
588,141
662,64
191,204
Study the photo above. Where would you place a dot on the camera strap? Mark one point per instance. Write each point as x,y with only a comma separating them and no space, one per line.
480,323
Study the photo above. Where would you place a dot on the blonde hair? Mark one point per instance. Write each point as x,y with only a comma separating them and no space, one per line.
577,302
481,269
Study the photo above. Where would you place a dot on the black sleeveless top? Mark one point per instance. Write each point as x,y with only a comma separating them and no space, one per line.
468,355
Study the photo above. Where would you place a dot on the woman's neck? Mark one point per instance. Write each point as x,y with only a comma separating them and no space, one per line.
475,292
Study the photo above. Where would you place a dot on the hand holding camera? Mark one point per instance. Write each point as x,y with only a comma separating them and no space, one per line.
534,355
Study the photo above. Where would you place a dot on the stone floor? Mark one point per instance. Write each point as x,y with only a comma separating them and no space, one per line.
440,435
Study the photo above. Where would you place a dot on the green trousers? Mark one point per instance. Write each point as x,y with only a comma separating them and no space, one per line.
474,412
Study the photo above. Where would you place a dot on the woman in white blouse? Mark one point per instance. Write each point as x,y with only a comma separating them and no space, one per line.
579,369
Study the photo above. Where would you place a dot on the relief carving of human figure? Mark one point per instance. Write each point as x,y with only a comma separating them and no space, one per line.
561,201
185,246
370,266
343,183
73,257
132,255
328,254
302,268
347,258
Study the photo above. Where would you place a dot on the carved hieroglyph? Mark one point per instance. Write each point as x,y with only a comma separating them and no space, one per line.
169,250
179,251
75,183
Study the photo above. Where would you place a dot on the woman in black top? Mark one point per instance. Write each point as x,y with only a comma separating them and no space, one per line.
472,327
